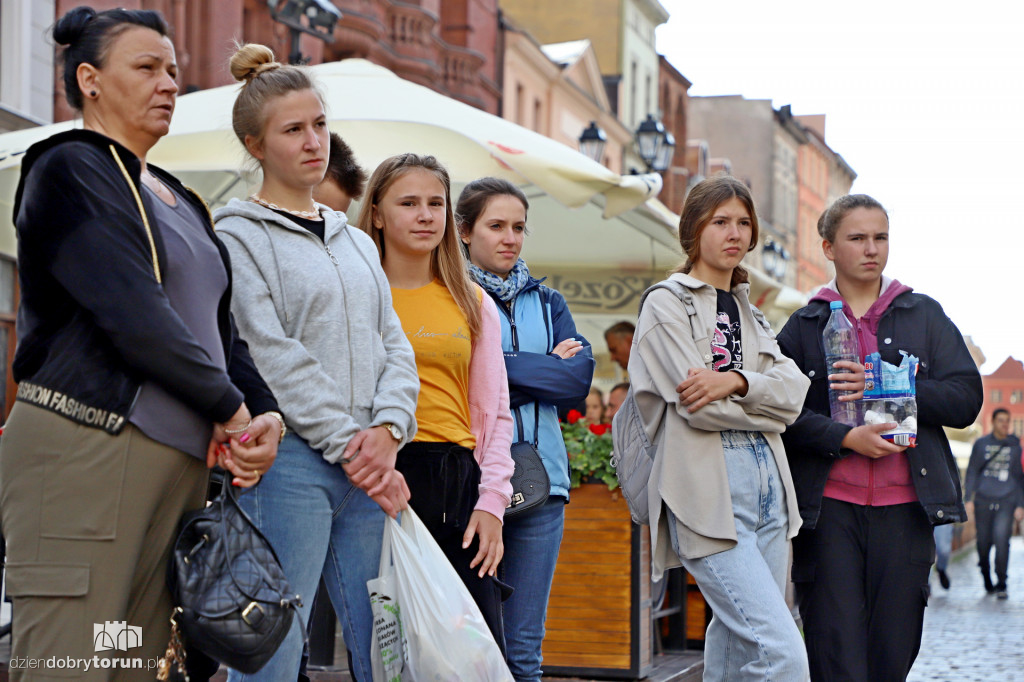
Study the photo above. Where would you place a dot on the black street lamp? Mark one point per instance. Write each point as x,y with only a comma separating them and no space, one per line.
321,17
655,144
592,142
775,259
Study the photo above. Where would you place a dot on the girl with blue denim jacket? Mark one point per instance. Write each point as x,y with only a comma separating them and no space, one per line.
549,366
714,390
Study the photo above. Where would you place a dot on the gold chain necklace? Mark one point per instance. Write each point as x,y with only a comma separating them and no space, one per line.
308,215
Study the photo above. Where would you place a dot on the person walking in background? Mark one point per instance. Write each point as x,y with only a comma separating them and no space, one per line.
344,179
861,561
315,307
943,549
459,466
994,497
550,367
131,376
721,496
619,338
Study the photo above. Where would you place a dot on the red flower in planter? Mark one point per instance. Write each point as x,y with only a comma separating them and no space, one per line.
574,416
600,429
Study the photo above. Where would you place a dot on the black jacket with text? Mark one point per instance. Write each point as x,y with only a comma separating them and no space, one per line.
94,322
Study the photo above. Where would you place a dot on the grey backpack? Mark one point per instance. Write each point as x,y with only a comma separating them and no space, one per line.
632,451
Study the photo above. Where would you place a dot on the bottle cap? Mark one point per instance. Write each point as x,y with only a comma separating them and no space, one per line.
835,305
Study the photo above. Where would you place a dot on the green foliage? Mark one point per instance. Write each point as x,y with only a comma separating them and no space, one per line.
590,450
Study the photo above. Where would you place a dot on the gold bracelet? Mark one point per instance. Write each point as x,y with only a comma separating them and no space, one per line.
241,430
284,429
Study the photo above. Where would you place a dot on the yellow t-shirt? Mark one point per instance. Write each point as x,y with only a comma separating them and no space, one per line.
440,337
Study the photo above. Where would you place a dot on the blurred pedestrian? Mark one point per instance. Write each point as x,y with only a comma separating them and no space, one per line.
131,377
722,502
595,406
549,366
314,304
994,495
619,338
459,465
615,398
862,560
943,548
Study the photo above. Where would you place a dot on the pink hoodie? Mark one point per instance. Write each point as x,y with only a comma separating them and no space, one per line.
489,413
858,479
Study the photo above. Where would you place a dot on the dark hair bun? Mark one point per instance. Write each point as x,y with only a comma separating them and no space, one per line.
69,27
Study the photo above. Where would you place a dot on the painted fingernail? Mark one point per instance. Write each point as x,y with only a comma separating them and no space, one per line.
244,438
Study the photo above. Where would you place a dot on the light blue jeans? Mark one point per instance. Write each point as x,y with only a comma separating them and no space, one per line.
318,522
752,635
943,545
531,552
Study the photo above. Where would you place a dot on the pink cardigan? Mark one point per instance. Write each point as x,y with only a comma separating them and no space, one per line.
489,413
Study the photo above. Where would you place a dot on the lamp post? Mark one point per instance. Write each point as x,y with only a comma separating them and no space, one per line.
775,259
321,18
592,142
655,144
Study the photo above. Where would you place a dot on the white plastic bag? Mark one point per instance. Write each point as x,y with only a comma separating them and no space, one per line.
446,637
388,647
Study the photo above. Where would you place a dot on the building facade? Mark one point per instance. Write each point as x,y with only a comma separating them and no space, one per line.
450,46
1004,388
621,33
673,97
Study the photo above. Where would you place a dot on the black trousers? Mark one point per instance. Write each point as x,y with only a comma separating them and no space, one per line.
993,518
444,480
861,579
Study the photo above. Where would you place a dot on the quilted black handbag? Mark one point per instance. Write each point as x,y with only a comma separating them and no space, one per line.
232,599
530,483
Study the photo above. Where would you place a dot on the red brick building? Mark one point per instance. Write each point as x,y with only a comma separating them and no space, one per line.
672,98
451,46
1004,388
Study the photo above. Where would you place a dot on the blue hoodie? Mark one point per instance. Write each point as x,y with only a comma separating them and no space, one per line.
536,321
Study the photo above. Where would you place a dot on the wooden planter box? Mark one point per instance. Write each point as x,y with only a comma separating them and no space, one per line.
599,614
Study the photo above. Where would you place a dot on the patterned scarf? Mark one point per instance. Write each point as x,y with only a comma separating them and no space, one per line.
505,289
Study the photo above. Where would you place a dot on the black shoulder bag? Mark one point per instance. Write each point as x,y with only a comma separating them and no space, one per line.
530,483
232,600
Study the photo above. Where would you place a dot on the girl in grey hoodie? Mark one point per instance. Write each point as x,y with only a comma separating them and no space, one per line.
315,307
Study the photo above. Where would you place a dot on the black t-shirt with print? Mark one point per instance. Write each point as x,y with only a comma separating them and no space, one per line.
314,226
726,349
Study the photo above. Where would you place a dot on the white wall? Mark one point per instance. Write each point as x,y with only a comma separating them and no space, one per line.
26,57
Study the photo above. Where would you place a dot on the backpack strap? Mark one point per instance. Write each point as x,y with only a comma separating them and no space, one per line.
684,295
759,317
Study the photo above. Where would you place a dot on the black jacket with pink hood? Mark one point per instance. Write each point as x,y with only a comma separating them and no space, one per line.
949,393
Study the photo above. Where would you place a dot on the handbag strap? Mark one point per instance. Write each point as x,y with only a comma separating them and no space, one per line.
536,425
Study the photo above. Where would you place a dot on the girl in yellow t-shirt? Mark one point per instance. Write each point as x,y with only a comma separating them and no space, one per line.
458,467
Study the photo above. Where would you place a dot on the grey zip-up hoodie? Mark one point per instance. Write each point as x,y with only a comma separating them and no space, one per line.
320,325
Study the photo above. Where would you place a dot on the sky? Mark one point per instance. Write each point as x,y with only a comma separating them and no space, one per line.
924,100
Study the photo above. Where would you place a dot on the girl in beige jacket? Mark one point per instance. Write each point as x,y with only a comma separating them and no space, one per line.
717,391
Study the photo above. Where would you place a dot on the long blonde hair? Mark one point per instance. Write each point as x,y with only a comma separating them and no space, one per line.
447,262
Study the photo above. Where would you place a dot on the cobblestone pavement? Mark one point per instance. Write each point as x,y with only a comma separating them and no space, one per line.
970,636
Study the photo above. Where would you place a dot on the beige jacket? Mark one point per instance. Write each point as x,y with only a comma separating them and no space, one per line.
689,474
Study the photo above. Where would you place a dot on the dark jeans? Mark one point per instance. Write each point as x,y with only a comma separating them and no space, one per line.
861,579
444,480
993,519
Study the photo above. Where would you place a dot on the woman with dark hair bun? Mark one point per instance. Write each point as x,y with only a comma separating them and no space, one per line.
132,380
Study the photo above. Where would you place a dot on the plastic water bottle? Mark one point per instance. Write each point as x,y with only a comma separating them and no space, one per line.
840,344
